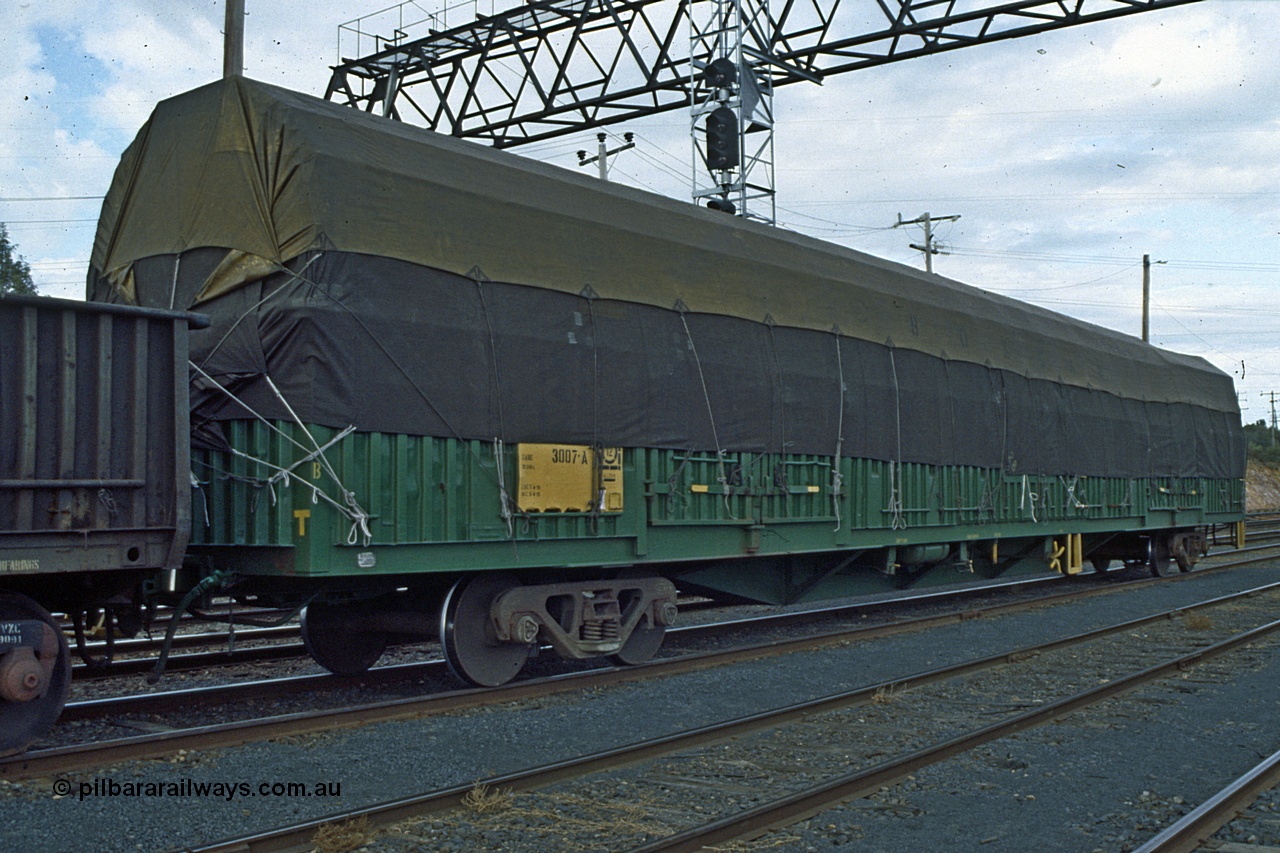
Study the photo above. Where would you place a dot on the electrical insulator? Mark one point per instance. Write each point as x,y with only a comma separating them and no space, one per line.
722,139
721,73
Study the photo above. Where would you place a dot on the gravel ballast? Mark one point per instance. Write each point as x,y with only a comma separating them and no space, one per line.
1112,777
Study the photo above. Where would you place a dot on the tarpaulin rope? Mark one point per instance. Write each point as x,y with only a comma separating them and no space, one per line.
317,494
1072,500
504,499
672,483
352,510
597,450
781,481
837,479
899,521
173,288
715,436
499,456
493,358
356,514
781,394
895,465
1029,498
198,485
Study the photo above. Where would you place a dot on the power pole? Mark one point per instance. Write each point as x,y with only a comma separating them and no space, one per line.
1272,395
929,247
233,41
604,154
1146,297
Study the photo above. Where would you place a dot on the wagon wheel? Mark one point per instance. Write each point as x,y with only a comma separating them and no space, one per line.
471,645
336,637
1102,567
641,646
644,641
34,678
1182,555
1158,558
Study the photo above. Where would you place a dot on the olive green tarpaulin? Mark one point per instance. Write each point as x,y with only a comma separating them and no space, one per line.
397,280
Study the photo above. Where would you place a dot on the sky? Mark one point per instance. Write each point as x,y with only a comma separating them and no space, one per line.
1067,156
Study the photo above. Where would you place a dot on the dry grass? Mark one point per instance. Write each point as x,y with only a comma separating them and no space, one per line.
616,816
342,837
885,695
1197,621
569,823
481,800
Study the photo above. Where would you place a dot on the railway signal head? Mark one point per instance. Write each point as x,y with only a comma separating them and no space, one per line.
721,73
722,139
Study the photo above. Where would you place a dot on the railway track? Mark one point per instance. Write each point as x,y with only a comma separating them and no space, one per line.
130,657
137,656
171,746
159,703
243,648
164,702
256,645
73,758
1123,673
680,643
1203,822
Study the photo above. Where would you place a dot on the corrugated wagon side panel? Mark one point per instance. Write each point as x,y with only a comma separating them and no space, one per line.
95,400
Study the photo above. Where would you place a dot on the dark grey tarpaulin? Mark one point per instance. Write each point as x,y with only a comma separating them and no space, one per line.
389,278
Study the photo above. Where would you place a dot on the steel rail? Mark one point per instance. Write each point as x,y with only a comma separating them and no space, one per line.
73,758
1200,824
282,651
152,703
203,638
162,702
190,661
754,822
383,814
216,657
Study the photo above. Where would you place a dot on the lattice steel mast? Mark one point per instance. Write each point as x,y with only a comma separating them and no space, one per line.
731,94
553,67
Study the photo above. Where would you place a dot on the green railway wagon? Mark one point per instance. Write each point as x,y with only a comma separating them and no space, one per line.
422,497
446,389
435,511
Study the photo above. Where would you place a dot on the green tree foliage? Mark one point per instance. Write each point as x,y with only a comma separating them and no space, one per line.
1264,444
15,275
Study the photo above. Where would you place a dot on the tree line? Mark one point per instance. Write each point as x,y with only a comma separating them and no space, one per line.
15,273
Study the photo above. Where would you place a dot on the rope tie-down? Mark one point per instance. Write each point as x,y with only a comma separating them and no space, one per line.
347,505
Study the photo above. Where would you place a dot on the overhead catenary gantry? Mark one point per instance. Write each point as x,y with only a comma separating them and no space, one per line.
553,67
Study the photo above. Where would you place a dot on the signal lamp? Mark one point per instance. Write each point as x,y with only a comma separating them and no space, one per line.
722,139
